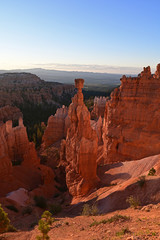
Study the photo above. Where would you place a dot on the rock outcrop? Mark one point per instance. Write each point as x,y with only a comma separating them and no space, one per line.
99,107
5,163
57,127
15,149
10,113
80,147
132,126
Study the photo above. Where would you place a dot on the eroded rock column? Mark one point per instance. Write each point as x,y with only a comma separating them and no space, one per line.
81,147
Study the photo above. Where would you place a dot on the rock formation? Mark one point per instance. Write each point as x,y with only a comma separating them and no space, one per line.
21,88
56,127
80,147
97,126
5,163
10,113
15,149
132,127
99,107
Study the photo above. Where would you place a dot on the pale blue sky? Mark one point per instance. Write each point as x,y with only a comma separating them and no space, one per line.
93,35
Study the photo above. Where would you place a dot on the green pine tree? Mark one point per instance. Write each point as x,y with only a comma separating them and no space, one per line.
44,225
4,220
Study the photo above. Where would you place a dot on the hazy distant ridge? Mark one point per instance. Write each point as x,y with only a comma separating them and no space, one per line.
69,76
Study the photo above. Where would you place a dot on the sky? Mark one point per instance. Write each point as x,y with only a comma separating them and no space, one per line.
115,36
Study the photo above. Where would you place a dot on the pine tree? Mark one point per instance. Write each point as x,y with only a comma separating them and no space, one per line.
45,225
4,220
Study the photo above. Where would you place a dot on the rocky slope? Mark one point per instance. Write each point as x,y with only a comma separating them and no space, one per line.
141,223
136,225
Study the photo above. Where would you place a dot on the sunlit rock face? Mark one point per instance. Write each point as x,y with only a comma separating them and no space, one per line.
132,118
80,147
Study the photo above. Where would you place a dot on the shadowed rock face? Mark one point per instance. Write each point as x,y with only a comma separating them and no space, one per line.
132,118
81,147
99,107
10,113
16,148
56,127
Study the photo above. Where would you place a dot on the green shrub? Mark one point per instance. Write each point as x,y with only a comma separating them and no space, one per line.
61,188
27,210
33,224
141,181
44,225
123,231
40,202
55,208
152,172
4,220
115,218
95,223
89,210
133,201
118,218
16,162
11,229
12,208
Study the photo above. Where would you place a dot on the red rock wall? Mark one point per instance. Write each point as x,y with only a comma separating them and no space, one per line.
132,128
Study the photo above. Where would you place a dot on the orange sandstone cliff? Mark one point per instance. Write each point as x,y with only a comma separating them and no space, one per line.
132,118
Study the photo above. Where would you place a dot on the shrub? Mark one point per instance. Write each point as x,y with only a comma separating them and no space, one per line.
16,162
134,202
89,210
115,218
118,218
12,208
152,172
141,181
27,210
44,225
40,202
4,220
11,229
33,224
123,231
55,208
